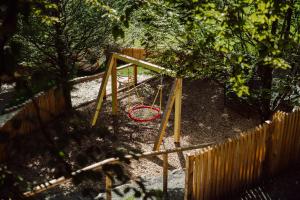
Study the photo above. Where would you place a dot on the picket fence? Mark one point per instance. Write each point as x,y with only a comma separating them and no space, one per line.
222,170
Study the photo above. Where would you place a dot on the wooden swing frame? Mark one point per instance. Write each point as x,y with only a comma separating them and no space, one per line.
174,99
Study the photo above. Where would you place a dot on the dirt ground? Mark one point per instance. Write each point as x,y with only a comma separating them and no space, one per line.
205,118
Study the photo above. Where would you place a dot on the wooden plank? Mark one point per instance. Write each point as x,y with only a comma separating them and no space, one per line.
205,174
195,175
233,147
202,169
101,91
249,156
280,143
287,137
145,64
135,54
209,172
198,184
165,175
214,156
297,136
178,104
234,164
253,136
292,138
225,185
219,168
108,187
166,115
222,171
257,138
189,177
135,74
291,143
263,150
114,88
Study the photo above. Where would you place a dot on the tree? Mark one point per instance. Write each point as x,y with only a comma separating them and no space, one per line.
54,34
53,44
249,46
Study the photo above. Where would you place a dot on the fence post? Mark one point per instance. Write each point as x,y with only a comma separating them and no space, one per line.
266,165
108,186
177,120
114,87
165,175
189,176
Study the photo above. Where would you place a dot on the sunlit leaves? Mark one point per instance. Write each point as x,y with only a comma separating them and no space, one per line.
238,85
277,63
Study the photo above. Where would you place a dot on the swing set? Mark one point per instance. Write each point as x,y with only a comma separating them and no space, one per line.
141,112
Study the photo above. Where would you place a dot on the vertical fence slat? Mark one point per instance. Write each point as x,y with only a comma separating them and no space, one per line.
108,187
209,172
223,170
226,179
239,162
165,175
297,140
189,177
218,172
200,177
215,171
232,150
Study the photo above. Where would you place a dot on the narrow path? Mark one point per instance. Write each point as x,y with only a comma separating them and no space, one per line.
87,91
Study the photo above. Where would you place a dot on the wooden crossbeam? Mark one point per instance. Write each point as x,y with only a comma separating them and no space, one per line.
175,95
144,64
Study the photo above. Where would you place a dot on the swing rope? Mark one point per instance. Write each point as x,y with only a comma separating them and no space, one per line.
145,113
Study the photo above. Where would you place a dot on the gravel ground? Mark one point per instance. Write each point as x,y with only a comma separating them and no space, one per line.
283,187
7,93
205,118
88,91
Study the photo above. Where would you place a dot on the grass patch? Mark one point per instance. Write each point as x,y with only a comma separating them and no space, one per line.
141,71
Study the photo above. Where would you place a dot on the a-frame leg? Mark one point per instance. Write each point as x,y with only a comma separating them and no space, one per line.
114,88
166,115
102,90
177,120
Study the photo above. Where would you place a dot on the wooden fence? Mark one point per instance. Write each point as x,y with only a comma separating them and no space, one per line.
24,120
220,171
138,53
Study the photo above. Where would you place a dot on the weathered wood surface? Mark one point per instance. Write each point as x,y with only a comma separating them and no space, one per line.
48,105
224,169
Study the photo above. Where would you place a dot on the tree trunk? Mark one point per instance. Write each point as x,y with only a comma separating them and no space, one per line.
63,64
265,73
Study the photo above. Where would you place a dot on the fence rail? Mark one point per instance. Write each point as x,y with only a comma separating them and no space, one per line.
48,105
220,171
96,166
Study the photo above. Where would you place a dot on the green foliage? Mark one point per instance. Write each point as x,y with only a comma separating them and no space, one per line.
242,44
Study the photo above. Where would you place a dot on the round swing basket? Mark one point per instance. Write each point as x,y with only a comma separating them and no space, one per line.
143,113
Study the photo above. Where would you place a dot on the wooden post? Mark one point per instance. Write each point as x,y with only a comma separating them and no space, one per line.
177,120
166,116
108,186
189,176
104,96
135,54
135,74
165,175
102,89
114,88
